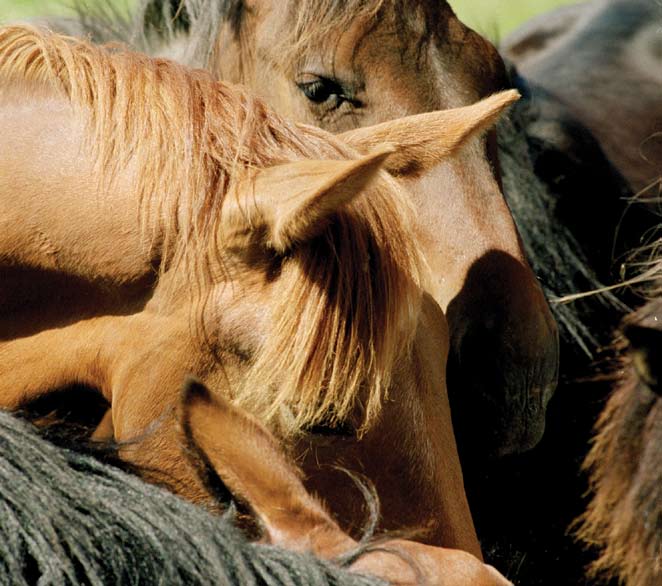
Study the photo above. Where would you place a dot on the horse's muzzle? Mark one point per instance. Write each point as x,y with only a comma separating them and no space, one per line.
503,363
499,405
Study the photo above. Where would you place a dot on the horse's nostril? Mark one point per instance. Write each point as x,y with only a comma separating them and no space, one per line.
502,376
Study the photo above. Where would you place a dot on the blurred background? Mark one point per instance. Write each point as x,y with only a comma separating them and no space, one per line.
493,18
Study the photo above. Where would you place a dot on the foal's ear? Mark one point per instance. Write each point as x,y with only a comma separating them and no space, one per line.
423,140
251,464
292,203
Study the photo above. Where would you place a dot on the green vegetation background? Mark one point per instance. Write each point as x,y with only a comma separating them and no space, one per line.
493,18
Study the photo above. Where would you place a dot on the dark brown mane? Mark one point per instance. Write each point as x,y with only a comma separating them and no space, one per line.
624,518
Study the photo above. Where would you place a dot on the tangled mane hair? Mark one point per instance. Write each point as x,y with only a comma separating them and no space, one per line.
192,28
645,266
624,517
556,257
350,298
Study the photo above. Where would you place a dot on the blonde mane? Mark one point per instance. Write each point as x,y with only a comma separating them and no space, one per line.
350,299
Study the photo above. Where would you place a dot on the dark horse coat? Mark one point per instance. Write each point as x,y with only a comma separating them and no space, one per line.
624,517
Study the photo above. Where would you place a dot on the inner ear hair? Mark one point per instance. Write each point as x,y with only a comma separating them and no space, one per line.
290,204
223,497
422,141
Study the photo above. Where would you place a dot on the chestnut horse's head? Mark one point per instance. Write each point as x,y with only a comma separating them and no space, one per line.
325,248
227,444
343,65
310,234
289,273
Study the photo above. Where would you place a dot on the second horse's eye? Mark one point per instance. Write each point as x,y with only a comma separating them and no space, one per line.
322,90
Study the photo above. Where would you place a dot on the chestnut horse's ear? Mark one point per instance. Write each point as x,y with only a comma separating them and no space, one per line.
292,203
423,140
253,467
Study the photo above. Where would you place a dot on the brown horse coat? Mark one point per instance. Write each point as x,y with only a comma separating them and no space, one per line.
624,517
602,59
343,65
226,443
215,245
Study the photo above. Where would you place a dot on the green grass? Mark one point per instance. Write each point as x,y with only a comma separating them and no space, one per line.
493,18
16,9
496,18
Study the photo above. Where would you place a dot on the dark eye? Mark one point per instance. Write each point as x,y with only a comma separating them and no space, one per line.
322,90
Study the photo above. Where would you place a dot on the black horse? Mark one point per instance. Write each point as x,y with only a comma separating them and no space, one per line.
66,518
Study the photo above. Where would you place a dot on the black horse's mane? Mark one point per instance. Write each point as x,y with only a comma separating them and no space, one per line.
557,194
66,518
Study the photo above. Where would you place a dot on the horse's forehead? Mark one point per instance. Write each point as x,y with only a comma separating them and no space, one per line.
413,51
399,27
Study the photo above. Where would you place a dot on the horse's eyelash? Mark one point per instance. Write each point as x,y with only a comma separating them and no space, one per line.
334,88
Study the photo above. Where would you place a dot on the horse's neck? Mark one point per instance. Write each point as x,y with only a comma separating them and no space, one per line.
55,212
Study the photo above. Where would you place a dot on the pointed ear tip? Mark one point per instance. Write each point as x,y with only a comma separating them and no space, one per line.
498,101
512,95
503,99
493,106
377,156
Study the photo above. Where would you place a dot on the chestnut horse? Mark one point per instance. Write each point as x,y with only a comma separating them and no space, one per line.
603,59
112,528
227,444
132,254
342,65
